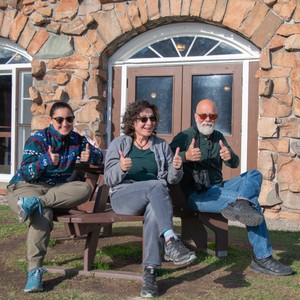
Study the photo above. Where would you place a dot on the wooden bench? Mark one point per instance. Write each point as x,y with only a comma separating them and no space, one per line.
95,218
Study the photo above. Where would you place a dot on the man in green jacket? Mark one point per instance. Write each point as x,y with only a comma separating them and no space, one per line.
203,151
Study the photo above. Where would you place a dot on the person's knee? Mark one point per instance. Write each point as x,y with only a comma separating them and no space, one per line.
156,185
255,175
81,188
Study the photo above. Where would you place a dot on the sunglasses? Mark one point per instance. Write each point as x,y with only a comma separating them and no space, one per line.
145,119
60,120
204,116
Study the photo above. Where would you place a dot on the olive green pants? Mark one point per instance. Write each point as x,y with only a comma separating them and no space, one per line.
61,197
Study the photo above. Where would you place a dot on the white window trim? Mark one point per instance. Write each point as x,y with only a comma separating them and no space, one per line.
11,69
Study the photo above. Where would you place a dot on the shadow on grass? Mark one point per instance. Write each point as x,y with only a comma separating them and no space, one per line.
234,279
285,249
50,284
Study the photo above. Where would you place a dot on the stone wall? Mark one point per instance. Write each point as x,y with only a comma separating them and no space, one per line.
72,40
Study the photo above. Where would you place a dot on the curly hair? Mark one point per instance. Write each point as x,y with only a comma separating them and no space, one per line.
133,111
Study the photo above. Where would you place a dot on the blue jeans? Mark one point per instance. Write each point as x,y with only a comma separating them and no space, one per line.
217,197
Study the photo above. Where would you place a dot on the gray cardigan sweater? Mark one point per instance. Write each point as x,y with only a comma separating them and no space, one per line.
113,174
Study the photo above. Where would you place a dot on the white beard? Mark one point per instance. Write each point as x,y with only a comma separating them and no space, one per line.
206,128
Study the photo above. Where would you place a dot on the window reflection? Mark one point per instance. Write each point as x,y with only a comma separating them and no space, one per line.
165,48
158,90
186,46
202,46
145,53
224,49
186,41
219,89
11,57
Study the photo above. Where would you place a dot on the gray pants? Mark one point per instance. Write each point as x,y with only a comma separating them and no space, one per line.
151,199
60,197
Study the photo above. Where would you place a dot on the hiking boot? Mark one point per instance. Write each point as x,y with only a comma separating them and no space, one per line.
34,281
175,251
270,266
28,206
243,212
150,287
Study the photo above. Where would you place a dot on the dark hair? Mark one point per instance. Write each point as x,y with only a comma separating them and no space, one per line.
58,105
133,111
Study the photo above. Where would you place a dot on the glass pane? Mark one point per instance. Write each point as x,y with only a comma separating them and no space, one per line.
183,44
165,48
27,115
5,159
224,49
25,103
24,133
5,55
5,123
27,78
158,90
19,59
11,57
145,53
202,46
219,89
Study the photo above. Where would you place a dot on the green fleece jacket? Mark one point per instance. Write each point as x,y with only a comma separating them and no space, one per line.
210,156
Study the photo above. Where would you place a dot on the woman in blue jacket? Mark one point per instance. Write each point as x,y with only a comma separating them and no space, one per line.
40,184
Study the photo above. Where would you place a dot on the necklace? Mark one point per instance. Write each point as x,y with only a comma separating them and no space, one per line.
140,145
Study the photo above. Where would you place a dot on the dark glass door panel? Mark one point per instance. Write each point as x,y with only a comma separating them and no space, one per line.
158,90
218,88
5,123
163,87
223,84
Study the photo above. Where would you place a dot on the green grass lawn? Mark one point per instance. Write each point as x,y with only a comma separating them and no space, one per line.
226,278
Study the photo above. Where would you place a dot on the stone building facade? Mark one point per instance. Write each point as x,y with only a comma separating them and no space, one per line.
71,41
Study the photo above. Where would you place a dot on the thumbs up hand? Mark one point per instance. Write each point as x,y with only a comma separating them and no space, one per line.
54,156
224,152
177,160
85,155
125,162
193,154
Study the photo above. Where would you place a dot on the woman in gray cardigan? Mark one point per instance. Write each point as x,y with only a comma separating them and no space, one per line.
138,168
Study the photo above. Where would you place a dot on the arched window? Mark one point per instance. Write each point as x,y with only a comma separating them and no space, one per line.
8,56
186,46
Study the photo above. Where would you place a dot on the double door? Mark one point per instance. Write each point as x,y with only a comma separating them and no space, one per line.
176,91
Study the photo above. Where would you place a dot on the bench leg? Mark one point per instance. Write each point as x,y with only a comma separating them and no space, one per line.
106,230
220,228
90,249
192,230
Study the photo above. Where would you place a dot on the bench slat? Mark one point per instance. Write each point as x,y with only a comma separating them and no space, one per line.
104,217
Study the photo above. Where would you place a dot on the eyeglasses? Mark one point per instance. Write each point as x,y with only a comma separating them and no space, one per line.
60,120
145,119
204,116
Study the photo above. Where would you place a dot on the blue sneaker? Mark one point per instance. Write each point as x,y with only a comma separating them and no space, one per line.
27,206
34,281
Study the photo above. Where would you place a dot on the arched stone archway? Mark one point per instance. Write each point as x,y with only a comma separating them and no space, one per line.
71,43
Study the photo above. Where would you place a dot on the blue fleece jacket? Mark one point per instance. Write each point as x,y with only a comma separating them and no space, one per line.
37,167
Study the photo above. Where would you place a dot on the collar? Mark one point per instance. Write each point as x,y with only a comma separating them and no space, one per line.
56,134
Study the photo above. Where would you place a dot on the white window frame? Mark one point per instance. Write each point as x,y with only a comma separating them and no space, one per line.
12,69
